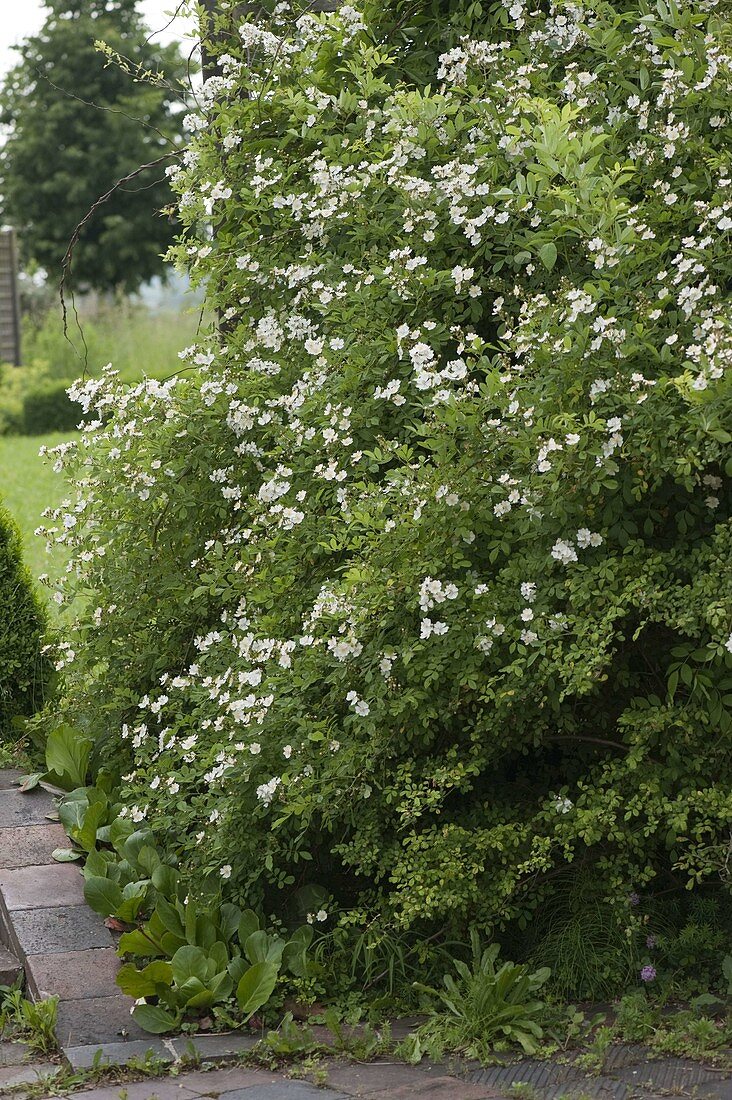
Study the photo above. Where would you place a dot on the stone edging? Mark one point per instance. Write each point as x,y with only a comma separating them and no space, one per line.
63,946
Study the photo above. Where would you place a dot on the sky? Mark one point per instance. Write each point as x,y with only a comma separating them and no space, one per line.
19,18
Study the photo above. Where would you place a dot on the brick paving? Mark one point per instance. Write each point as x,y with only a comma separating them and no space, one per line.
63,946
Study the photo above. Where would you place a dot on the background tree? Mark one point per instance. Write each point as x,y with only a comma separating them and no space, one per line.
78,124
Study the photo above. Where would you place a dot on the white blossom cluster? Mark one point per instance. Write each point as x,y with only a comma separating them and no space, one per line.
377,417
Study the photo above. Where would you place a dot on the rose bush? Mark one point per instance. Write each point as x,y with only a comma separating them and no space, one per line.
409,593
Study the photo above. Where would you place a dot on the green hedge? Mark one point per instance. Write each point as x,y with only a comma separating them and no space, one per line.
24,672
49,409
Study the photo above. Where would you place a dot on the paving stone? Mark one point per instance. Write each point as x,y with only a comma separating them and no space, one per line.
10,968
161,1088
60,928
598,1088
284,1090
215,1046
31,845
12,1076
217,1081
374,1077
8,778
17,810
620,1055
13,1054
439,1088
72,975
530,1071
96,1020
403,1027
41,887
87,1055
669,1074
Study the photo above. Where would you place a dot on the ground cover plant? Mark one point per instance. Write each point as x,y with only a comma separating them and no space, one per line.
411,609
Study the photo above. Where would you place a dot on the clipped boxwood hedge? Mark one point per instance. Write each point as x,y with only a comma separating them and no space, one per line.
24,671
49,409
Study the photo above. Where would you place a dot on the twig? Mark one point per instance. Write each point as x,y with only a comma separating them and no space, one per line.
76,235
101,107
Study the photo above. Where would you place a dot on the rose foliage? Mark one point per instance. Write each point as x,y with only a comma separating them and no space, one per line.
413,584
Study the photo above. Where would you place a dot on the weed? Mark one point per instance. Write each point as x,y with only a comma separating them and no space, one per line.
635,1018
691,1036
522,1090
483,1007
32,1021
593,1058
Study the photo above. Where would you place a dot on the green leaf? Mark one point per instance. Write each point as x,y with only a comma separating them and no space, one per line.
154,1019
103,895
256,987
96,865
119,831
190,962
169,917
248,923
294,956
30,782
165,879
548,255
147,858
256,946
229,918
86,835
144,983
66,855
206,931
219,955
67,757
136,943
237,968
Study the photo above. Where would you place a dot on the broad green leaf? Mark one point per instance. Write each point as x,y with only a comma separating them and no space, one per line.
165,879
147,858
237,969
144,983
103,895
96,865
548,255
205,999
206,931
137,943
169,917
154,1019
67,757
248,924
189,962
256,987
86,834
119,831
134,843
219,955
294,955
229,918
66,855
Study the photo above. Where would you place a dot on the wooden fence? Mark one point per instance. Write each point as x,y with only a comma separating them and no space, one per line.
9,304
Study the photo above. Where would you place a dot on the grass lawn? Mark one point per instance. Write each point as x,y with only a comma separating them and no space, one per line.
27,486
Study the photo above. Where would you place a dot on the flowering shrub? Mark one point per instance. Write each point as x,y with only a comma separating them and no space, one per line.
412,588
